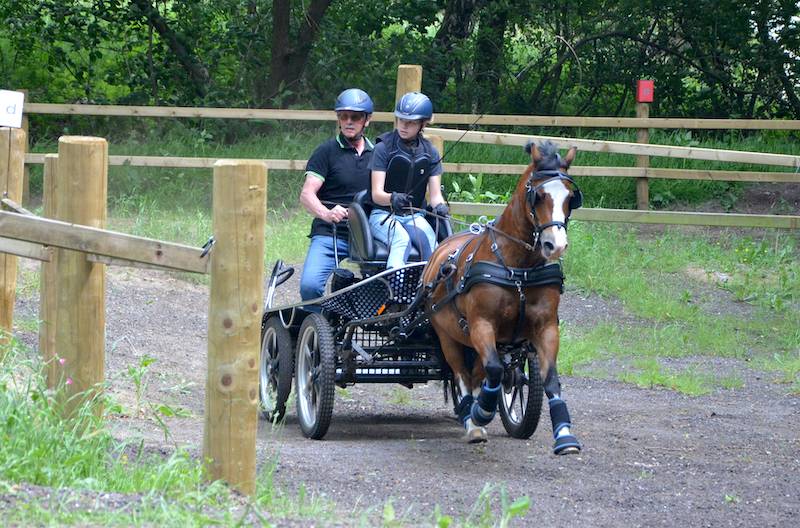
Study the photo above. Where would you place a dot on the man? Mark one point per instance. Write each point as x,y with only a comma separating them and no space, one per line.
403,166
336,171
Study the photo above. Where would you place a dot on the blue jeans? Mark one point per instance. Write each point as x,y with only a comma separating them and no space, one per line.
397,233
319,264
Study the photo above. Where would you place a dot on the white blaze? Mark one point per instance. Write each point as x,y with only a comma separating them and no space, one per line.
554,238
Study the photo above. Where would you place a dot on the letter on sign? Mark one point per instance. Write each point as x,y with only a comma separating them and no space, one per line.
11,108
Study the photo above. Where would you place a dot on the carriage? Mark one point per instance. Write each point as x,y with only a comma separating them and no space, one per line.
481,315
370,327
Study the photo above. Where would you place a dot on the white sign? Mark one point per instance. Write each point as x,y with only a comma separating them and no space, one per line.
11,108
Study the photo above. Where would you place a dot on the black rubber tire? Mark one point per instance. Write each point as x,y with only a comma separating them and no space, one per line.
521,399
315,376
276,370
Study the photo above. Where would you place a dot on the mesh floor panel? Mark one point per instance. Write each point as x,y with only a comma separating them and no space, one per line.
365,299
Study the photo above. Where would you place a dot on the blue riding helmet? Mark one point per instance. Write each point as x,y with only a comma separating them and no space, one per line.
355,100
414,105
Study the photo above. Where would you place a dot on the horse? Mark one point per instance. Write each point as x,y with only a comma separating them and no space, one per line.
496,288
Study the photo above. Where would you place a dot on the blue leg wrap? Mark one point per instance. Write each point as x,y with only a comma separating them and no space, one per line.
483,410
464,407
559,415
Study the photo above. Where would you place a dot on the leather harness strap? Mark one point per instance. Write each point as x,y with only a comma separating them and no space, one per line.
498,274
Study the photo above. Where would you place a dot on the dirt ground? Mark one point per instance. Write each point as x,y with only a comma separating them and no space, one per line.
651,457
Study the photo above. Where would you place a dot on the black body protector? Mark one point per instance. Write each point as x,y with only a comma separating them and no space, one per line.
408,172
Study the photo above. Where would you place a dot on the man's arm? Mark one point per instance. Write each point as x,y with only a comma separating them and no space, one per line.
311,203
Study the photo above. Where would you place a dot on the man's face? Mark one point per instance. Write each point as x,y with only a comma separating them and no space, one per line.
352,124
408,129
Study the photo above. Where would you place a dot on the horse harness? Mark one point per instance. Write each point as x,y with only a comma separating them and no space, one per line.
499,273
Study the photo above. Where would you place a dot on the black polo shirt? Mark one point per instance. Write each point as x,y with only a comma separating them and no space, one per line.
344,173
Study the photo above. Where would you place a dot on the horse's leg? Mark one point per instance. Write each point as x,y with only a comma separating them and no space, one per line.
482,335
454,354
547,347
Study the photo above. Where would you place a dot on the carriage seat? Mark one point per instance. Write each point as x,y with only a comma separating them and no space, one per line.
364,249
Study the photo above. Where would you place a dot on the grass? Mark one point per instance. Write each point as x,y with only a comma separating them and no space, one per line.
649,374
656,280
78,464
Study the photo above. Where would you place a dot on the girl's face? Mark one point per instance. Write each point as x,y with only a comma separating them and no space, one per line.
408,129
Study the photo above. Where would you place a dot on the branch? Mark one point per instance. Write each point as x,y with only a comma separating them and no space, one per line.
197,72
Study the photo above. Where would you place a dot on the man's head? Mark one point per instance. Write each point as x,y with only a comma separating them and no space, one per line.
353,109
413,111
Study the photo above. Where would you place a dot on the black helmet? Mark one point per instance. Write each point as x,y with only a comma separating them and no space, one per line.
414,105
355,100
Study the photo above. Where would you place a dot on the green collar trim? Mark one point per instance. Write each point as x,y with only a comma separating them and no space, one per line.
343,143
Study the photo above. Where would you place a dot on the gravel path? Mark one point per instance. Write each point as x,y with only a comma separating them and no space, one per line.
651,457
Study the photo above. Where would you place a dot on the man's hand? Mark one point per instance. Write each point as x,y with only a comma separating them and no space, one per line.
400,203
441,210
336,214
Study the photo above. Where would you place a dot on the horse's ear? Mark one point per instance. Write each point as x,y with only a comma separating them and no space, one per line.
570,157
533,150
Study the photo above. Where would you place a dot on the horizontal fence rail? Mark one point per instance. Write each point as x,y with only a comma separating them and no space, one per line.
605,215
108,244
648,217
388,117
468,168
621,147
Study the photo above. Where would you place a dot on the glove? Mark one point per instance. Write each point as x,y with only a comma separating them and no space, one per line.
400,203
441,210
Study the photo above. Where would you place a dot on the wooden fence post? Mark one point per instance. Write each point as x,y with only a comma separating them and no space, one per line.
48,291
234,322
409,79
81,180
12,163
642,136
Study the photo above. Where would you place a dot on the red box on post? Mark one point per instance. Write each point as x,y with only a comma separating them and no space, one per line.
644,91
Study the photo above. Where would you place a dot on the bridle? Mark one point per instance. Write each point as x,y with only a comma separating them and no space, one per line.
531,192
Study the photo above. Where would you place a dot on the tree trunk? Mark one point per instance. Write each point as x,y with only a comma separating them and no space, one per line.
490,55
288,62
454,29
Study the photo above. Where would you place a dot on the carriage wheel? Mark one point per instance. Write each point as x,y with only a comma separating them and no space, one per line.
276,369
521,399
316,375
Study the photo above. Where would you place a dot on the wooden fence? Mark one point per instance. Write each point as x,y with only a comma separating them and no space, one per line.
75,247
409,78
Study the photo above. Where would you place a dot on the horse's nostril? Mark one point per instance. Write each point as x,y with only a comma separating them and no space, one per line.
549,246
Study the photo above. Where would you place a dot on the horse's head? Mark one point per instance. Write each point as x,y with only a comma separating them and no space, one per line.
551,196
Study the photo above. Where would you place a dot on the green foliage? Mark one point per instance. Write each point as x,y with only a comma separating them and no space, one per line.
496,57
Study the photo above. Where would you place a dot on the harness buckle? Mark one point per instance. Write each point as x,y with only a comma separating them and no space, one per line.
494,247
475,228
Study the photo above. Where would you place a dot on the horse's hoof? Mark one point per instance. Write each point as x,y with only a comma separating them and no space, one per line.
566,445
477,435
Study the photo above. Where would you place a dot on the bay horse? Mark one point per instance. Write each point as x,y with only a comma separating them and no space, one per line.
497,289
